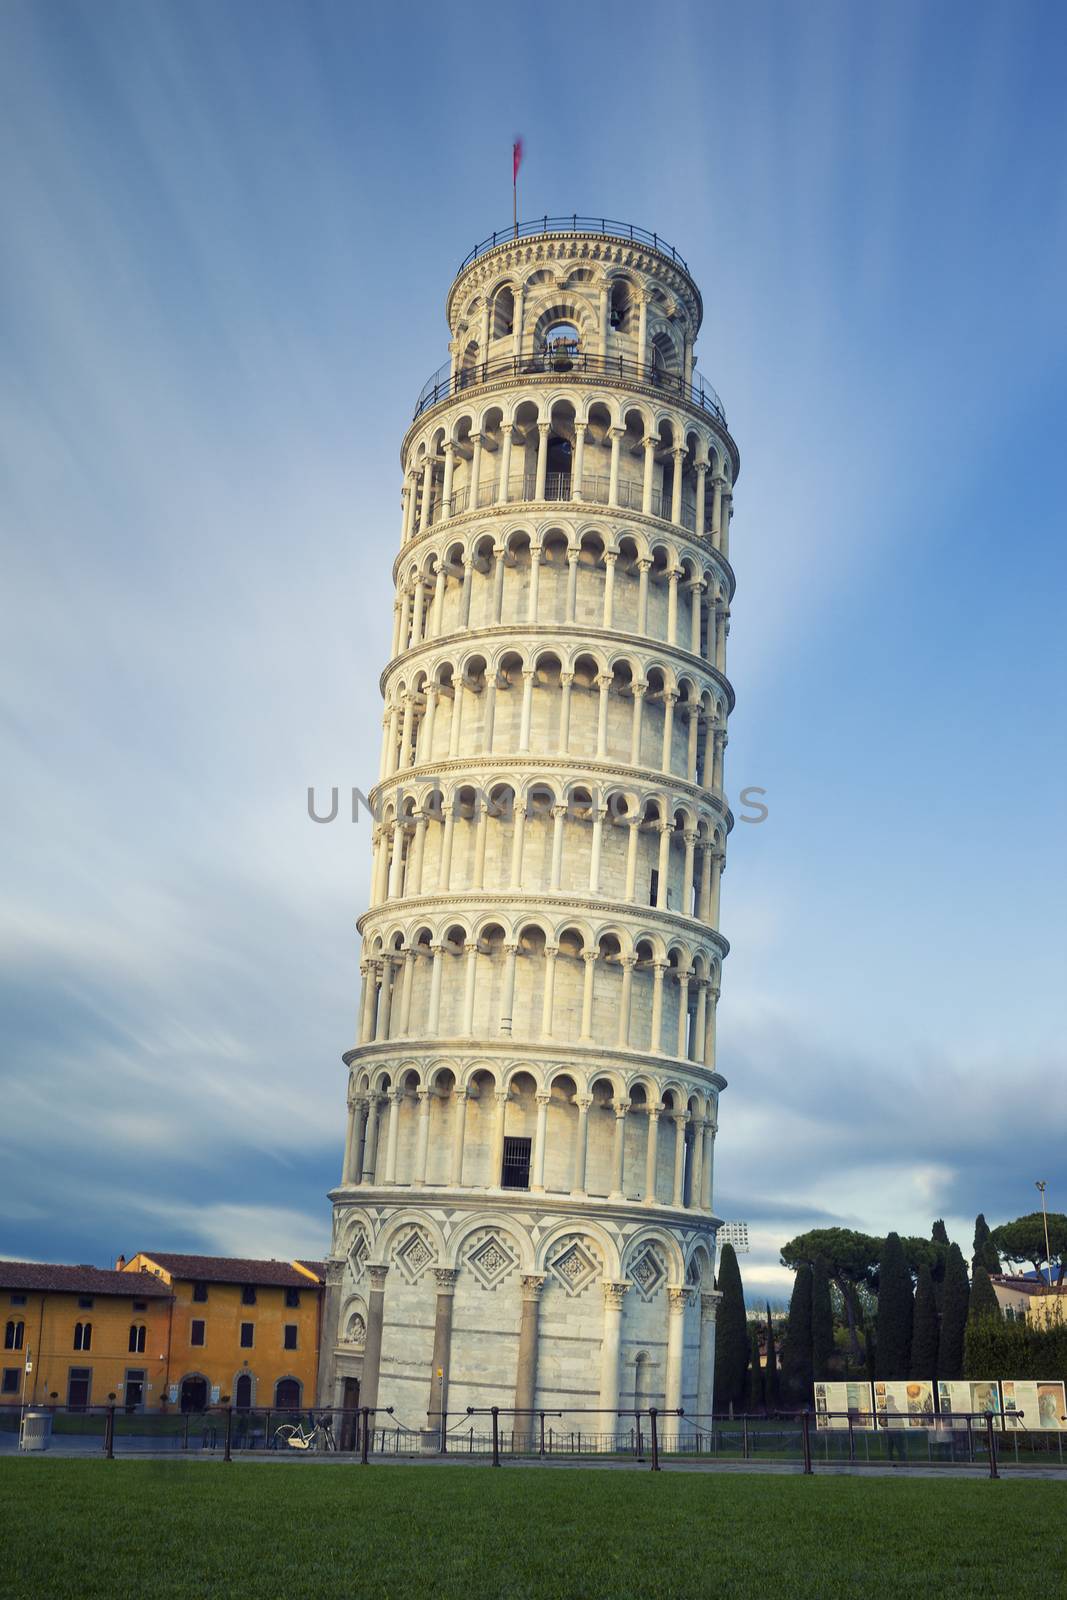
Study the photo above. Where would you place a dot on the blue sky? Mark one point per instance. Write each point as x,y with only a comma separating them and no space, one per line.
230,229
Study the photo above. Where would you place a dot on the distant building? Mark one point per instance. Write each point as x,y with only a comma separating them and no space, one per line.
161,1329
241,1328
1030,1298
76,1336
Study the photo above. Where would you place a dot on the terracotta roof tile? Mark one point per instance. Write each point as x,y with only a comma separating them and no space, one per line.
80,1280
229,1269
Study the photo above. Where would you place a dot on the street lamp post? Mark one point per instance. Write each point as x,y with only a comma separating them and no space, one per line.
1042,1185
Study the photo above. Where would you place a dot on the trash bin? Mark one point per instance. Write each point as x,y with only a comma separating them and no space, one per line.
36,1431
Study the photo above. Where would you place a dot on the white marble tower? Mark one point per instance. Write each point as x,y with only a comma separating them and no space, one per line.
525,1215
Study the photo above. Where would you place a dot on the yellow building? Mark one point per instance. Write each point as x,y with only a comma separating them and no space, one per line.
243,1331
80,1336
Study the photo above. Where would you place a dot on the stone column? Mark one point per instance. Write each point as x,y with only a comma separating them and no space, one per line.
642,330
610,558
481,829
614,1295
630,889
709,1027
537,1176
475,476
655,1043
644,567
702,471
418,860
665,829
499,564
672,605
646,486
678,1300
565,681
559,813
604,684
548,999
450,466
422,1146
527,710
418,600
678,455
366,1004
520,294
442,1351
651,1152
679,1118
639,690
670,699
459,1129
628,963
603,320
599,813
424,737
578,464
526,1369
683,1015
372,1350
444,866
370,1142
700,1022
696,1166
543,430
716,508
465,592
396,1099
590,959
385,1005
710,1130
507,999
351,1136
692,710
709,1309
690,837
496,1157
613,470
331,1315
535,582
517,839
581,1143
618,1155
436,974
505,464
571,609
468,989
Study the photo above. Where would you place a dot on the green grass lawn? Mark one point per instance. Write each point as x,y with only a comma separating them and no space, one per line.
145,1529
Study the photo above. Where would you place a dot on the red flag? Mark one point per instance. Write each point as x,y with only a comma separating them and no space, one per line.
516,160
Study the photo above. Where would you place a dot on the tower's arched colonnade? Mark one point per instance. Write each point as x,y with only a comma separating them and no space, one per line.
525,1215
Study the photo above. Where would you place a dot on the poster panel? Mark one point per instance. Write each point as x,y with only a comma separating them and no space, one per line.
963,1397
836,1402
904,1404
1031,1403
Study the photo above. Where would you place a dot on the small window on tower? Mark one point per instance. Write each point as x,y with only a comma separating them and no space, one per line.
516,1170
653,886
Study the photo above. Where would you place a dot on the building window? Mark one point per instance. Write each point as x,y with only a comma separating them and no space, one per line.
83,1336
516,1173
14,1333
18,1299
248,1295
12,1377
137,1332
653,886
140,1305
85,1302
242,1392
196,1332
290,1336
247,1335
292,1298
199,1291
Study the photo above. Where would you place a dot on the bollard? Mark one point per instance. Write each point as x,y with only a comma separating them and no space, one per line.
655,1438
991,1440
364,1446
109,1433
806,1424
227,1454
496,1436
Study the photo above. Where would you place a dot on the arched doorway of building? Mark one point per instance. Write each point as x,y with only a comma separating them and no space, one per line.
242,1391
287,1394
194,1393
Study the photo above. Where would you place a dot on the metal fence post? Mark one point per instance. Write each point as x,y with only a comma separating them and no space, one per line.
991,1440
364,1444
109,1433
542,1449
496,1436
227,1454
652,1415
806,1430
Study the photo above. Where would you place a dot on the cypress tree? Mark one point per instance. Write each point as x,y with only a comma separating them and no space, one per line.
798,1368
939,1233
984,1302
754,1393
954,1307
893,1335
772,1392
822,1320
925,1328
985,1251
731,1341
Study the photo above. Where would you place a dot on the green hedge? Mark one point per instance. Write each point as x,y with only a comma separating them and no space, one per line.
995,1348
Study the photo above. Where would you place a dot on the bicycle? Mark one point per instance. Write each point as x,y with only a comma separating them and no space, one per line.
294,1436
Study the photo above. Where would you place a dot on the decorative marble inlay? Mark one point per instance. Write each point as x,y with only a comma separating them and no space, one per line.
574,1266
647,1272
492,1261
358,1252
413,1256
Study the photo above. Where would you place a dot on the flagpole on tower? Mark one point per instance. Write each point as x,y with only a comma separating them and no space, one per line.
516,162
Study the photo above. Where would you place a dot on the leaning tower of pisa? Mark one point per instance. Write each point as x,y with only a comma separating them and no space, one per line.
525,1215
